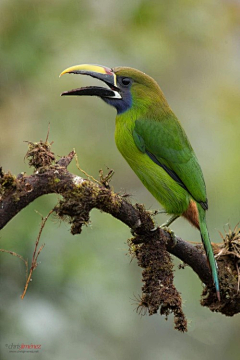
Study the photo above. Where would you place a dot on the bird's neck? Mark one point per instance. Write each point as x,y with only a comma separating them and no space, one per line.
148,109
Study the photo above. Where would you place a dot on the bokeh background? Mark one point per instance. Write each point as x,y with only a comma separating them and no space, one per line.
80,303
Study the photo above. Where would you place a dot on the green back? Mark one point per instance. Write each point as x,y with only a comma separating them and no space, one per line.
168,143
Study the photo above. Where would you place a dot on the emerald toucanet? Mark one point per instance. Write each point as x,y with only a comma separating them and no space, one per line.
151,139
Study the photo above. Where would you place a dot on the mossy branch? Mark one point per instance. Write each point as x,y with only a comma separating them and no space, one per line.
151,246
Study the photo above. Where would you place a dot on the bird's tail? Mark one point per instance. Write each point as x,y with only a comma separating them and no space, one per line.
208,248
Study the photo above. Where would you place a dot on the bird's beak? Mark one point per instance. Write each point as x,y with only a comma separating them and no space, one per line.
99,72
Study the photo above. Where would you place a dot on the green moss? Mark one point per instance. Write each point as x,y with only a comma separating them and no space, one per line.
81,199
8,182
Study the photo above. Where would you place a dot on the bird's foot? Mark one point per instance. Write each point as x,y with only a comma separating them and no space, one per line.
154,229
138,224
170,232
135,226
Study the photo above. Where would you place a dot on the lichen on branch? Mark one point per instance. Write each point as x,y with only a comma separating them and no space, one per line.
152,247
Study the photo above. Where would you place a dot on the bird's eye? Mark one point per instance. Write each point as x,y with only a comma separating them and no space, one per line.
125,81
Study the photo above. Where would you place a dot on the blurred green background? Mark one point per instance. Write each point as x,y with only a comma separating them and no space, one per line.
80,303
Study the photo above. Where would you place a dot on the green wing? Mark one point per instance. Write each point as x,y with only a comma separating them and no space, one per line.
166,143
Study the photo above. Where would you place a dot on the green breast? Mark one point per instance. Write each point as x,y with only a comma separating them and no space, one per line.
171,196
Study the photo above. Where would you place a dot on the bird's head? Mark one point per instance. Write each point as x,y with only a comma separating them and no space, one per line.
127,88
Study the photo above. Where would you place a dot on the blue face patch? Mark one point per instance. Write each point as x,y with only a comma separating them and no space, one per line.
121,105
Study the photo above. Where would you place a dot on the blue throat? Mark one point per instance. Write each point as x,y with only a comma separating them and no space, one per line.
121,105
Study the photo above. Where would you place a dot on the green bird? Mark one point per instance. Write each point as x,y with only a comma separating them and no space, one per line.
153,142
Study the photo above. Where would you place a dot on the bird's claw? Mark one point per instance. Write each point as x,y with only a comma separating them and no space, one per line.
135,226
154,229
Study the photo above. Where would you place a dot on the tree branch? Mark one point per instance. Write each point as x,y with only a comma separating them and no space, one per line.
23,190
150,246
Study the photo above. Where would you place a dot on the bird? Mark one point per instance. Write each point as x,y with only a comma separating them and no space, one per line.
151,139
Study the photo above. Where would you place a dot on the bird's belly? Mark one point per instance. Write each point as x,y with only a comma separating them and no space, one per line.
171,196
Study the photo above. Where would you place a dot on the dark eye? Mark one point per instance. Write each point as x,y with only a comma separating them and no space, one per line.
125,81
